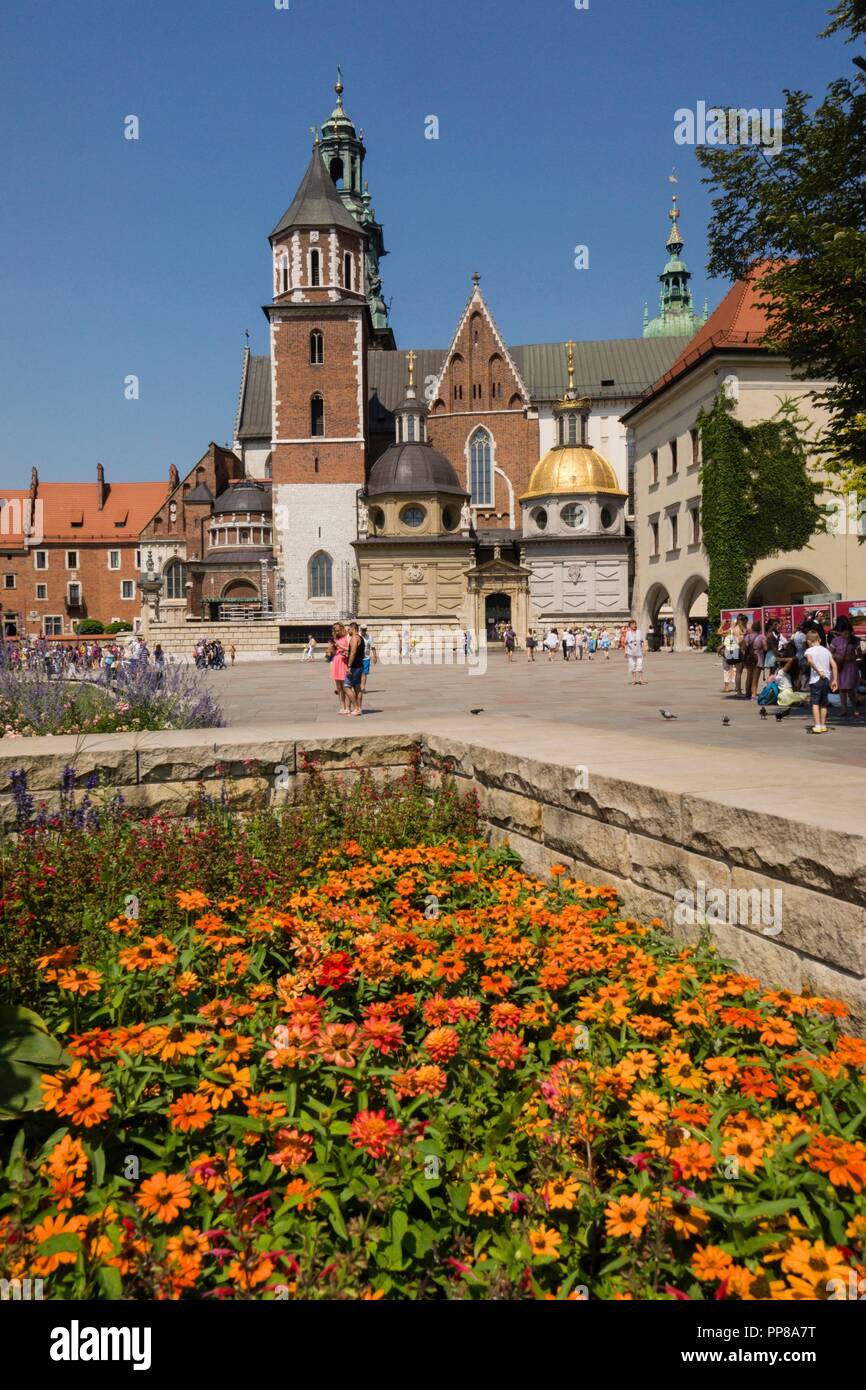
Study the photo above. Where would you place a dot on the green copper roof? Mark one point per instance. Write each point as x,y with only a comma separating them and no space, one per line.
676,315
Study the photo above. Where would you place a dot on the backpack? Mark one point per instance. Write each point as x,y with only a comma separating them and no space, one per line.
731,647
769,695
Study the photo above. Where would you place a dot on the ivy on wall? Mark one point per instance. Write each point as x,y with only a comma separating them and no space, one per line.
758,496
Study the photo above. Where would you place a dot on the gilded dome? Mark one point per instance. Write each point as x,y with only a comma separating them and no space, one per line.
575,468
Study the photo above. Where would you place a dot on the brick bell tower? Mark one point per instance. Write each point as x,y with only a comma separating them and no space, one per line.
320,330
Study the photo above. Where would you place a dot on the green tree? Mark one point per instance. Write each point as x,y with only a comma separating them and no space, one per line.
758,496
800,214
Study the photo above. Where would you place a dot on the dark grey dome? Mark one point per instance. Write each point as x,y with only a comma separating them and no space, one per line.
413,468
247,496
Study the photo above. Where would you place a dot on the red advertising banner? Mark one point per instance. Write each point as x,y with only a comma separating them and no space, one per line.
822,611
730,615
855,609
783,615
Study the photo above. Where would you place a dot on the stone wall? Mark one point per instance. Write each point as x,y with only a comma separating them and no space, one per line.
648,843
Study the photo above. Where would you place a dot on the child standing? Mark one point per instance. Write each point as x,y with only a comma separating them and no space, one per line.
823,678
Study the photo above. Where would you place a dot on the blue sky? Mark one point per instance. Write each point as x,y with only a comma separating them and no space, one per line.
151,258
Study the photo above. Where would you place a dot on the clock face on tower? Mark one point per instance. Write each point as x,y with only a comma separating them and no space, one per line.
575,515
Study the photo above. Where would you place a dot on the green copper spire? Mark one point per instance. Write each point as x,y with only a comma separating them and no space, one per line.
676,316
343,152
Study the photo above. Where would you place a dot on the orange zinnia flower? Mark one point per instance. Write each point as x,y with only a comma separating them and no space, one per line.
710,1262
628,1216
486,1197
55,1226
560,1194
164,1195
80,981
371,1131
442,1044
190,1111
545,1242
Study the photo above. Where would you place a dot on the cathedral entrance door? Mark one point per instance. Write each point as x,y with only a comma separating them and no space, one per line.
497,614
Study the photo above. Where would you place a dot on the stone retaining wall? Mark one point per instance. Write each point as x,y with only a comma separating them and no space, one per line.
649,844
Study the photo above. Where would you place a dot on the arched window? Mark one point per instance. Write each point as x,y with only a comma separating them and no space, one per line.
317,347
347,271
283,272
480,470
317,415
321,575
175,579
315,276
337,170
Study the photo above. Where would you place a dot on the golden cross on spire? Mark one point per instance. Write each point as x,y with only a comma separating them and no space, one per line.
411,359
570,346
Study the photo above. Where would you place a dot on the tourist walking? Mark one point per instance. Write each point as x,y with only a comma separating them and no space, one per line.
635,650
604,643
531,644
730,649
551,643
579,643
845,650
309,652
823,678
510,642
568,643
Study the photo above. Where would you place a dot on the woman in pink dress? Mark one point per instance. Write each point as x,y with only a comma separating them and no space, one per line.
845,650
340,649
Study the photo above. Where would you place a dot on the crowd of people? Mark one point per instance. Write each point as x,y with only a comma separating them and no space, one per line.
79,660
211,655
813,667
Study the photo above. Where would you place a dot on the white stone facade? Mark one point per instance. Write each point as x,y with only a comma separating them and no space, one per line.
312,517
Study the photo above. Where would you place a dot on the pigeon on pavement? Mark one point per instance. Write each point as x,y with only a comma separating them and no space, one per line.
477,711
725,720
763,713
666,714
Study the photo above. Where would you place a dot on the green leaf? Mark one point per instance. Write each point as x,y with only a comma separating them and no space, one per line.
110,1282
65,1242
336,1218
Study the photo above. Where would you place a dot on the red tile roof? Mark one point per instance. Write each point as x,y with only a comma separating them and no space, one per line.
740,322
70,512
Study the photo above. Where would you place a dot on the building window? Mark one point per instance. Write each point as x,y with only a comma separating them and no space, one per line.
694,513
321,575
315,275
674,457
73,595
72,559
317,347
675,527
244,536
410,428
695,436
480,470
317,415
175,579
9,581
654,537
127,588
42,591
654,462
413,516
347,271
138,559
40,559
52,627
114,559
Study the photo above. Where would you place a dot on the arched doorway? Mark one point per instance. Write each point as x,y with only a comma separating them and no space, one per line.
691,609
240,588
657,605
497,611
785,586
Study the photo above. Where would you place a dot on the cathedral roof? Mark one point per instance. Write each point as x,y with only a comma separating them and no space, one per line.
412,468
317,202
605,370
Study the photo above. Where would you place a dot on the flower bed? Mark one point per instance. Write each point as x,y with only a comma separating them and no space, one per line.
419,1073
138,697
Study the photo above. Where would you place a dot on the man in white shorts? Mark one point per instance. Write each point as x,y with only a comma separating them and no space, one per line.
635,650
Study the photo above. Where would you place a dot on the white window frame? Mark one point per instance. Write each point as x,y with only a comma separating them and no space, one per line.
77,555
126,597
52,618
74,584
9,587
119,565
41,598
36,564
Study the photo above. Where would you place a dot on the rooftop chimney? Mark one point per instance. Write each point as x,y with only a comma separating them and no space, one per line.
101,488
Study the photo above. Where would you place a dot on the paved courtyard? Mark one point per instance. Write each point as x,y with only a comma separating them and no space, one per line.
591,695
